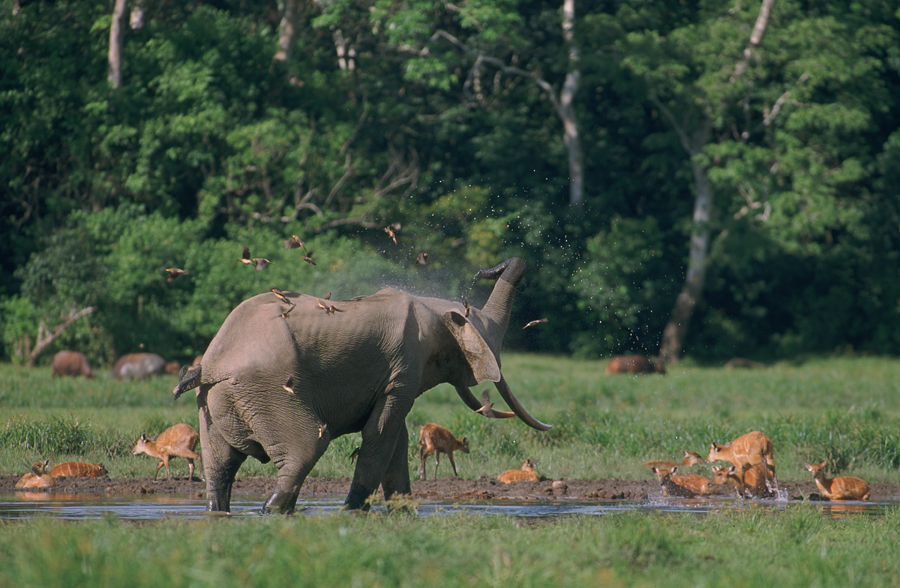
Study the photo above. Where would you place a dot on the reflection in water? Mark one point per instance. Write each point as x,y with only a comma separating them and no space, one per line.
843,509
83,506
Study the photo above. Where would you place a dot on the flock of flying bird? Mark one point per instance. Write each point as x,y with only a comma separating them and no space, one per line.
296,242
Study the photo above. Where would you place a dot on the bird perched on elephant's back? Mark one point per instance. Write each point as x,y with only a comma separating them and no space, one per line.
357,369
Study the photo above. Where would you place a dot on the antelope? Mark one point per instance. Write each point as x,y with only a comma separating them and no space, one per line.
753,480
435,439
840,487
526,473
176,441
691,458
37,477
686,486
78,468
747,451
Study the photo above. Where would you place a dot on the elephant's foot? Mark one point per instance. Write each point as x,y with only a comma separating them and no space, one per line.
281,502
358,498
216,504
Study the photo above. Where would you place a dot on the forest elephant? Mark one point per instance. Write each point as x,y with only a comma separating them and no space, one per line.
138,366
287,373
71,363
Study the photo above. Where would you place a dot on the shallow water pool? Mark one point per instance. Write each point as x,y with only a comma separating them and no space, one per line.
85,506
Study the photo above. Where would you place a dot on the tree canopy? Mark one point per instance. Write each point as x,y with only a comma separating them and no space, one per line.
743,154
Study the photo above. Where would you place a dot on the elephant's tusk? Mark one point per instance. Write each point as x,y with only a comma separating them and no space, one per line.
517,408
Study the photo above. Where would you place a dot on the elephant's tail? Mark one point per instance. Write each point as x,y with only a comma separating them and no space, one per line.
188,379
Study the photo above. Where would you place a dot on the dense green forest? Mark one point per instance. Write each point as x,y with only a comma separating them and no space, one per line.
704,178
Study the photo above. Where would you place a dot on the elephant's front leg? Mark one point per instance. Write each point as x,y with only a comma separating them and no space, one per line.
379,457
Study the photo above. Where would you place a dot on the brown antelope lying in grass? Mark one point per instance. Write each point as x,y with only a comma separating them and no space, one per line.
686,486
436,439
524,473
753,481
78,468
37,477
176,441
691,458
746,451
841,487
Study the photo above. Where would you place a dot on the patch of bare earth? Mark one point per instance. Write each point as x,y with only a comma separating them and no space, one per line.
450,489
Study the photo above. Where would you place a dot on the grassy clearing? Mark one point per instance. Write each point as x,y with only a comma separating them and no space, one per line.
840,409
746,547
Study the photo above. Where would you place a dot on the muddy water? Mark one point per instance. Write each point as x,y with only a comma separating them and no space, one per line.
84,506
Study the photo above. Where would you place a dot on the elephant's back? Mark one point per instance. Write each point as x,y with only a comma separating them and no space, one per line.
252,331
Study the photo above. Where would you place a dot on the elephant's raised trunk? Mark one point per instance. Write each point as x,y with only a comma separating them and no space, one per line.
498,307
497,310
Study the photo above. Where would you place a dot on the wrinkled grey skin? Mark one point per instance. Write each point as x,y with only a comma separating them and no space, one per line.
138,366
359,368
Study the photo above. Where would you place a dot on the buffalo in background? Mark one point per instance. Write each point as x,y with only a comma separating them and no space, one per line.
71,363
138,366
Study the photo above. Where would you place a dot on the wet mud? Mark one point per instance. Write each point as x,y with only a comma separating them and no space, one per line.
444,488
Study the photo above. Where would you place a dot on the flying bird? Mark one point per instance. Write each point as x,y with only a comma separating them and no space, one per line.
245,259
354,454
390,231
295,242
308,258
422,258
289,384
536,322
260,263
488,411
174,273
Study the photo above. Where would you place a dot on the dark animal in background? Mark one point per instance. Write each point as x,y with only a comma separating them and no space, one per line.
740,362
173,367
71,363
634,364
138,366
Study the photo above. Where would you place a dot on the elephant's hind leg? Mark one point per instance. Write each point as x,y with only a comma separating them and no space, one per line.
295,458
220,466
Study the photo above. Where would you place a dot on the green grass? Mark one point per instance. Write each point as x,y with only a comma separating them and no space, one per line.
841,409
746,547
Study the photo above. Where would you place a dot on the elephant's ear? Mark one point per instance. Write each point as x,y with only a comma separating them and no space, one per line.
477,352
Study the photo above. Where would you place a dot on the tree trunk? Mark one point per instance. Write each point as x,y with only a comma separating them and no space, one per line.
695,280
567,110
286,30
44,338
116,30
676,329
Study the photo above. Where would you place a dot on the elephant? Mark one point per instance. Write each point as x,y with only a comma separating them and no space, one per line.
71,363
138,366
287,373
